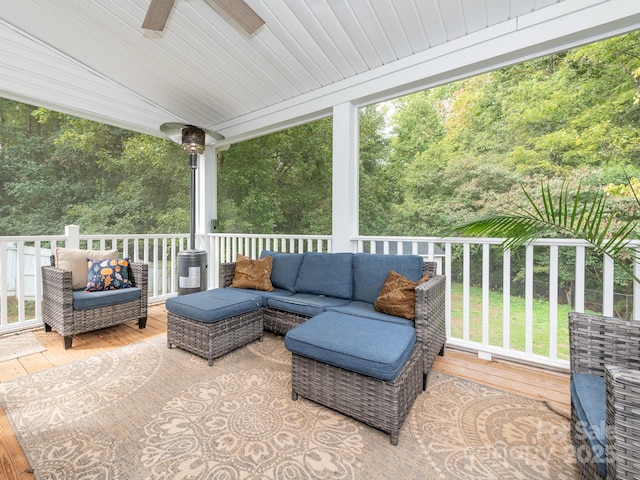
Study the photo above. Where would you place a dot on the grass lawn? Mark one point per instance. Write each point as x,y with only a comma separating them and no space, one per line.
12,309
517,321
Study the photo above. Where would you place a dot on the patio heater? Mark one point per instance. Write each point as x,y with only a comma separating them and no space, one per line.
192,263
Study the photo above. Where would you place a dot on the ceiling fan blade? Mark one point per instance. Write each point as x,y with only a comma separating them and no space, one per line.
157,14
242,13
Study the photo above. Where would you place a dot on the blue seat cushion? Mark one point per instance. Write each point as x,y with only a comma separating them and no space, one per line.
370,271
278,292
370,347
328,274
89,300
214,305
284,269
364,309
588,395
304,303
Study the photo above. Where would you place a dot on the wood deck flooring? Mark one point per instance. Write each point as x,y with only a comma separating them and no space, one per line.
552,387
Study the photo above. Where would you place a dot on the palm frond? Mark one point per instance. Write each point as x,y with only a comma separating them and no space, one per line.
581,215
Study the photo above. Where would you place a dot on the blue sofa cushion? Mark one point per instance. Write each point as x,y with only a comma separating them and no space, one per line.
278,292
89,300
369,347
328,274
365,309
214,305
370,271
588,396
284,270
304,303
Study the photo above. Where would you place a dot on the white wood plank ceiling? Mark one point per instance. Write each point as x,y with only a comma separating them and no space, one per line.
92,58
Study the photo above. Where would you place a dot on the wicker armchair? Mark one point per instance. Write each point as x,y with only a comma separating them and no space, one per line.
610,348
57,304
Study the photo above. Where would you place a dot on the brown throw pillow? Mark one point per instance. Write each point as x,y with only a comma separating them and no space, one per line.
254,274
397,296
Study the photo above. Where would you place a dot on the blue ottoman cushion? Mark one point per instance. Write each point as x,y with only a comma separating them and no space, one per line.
214,305
588,394
370,347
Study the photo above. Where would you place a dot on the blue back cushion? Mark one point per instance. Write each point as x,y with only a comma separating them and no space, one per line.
370,270
327,274
284,269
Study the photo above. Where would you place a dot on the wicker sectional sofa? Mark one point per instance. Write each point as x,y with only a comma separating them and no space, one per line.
324,305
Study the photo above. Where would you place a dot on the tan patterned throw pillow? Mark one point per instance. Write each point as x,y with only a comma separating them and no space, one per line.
255,274
397,296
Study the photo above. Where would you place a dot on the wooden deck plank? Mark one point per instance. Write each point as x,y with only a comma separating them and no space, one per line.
13,463
35,363
11,369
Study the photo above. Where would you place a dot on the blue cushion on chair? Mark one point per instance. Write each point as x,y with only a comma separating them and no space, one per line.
328,274
284,269
588,395
369,347
370,271
214,305
83,300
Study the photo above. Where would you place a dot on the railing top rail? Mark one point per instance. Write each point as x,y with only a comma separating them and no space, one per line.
132,236
32,238
563,242
269,235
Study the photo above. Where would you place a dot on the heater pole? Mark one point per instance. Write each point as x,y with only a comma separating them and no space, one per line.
193,163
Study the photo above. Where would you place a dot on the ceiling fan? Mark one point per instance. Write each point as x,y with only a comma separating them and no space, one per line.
238,10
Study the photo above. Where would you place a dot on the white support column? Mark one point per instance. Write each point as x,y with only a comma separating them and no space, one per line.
345,177
206,195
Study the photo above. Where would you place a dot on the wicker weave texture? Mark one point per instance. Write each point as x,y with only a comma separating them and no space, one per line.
596,341
381,404
280,322
586,463
212,340
57,304
430,321
609,347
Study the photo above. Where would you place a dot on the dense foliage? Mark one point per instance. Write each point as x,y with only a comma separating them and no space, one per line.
428,160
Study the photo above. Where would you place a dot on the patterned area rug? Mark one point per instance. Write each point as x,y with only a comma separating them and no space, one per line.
147,412
19,345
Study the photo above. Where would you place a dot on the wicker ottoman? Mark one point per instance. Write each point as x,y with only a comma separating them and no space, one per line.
382,403
214,322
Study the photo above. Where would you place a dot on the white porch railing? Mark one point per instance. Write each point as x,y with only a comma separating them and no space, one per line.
530,324
501,304
21,278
